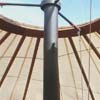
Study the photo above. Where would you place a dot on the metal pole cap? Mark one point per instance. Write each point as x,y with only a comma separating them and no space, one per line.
45,3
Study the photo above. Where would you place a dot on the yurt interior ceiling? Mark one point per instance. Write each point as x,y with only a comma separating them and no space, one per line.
22,58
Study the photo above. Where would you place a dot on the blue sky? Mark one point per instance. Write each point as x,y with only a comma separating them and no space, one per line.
75,10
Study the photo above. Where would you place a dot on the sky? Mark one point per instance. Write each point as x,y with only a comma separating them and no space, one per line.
78,11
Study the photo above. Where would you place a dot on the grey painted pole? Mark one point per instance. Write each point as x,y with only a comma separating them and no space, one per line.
51,73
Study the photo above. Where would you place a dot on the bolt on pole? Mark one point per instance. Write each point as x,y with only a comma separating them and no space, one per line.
51,87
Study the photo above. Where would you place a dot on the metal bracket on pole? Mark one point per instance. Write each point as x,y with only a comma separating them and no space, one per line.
45,3
51,87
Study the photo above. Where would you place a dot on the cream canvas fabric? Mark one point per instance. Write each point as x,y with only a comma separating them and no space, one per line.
72,84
